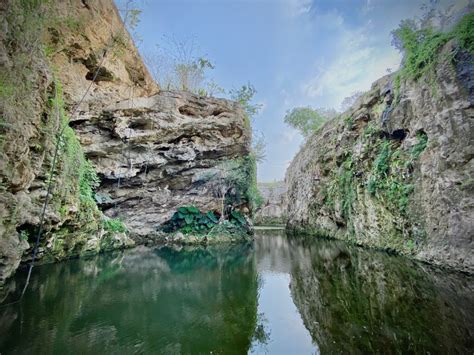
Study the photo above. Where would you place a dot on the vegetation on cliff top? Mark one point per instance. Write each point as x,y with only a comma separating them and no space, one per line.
420,44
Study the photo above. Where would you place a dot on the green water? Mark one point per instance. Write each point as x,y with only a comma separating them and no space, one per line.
278,295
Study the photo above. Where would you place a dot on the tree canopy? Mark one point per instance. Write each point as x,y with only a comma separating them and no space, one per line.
308,120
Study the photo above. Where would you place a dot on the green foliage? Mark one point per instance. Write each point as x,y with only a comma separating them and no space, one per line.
244,95
189,219
396,87
237,218
349,122
370,130
420,146
464,32
75,178
114,225
421,50
308,120
247,184
420,46
341,188
237,180
382,162
346,187
388,179
24,235
410,244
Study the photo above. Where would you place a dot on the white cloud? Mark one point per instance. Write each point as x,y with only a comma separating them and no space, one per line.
368,7
354,66
297,7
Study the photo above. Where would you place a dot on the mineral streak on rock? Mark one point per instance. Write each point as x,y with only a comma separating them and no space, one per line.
155,154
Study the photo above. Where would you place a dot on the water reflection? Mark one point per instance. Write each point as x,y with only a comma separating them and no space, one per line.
358,301
278,295
285,332
167,300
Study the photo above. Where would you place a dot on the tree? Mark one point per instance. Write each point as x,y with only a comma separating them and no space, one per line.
259,147
176,65
244,96
435,17
308,120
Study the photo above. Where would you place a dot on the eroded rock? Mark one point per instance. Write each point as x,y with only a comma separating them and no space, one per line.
154,154
395,175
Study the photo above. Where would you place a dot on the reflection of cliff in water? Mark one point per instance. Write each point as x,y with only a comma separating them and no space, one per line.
171,300
350,298
204,299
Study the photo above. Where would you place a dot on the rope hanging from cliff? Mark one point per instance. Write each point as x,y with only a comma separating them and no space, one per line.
51,173
54,162
53,166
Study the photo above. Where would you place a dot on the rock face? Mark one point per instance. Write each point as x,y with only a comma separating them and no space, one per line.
152,151
158,153
273,210
395,175
70,37
92,34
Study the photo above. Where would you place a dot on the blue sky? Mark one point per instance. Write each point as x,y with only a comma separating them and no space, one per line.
295,52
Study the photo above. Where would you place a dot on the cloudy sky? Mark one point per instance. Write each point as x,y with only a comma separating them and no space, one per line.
295,52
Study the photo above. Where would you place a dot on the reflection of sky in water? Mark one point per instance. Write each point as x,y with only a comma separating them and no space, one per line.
281,295
282,320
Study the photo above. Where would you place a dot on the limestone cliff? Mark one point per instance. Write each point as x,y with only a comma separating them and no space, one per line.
48,52
395,170
137,152
273,209
158,153
86,39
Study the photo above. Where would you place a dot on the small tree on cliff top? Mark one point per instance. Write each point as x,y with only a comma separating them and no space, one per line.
308,120
244,95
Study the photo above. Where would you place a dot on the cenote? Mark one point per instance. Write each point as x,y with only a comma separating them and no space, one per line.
277,295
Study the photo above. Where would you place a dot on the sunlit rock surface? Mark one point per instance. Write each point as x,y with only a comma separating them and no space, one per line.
273,210
157,153
395,176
